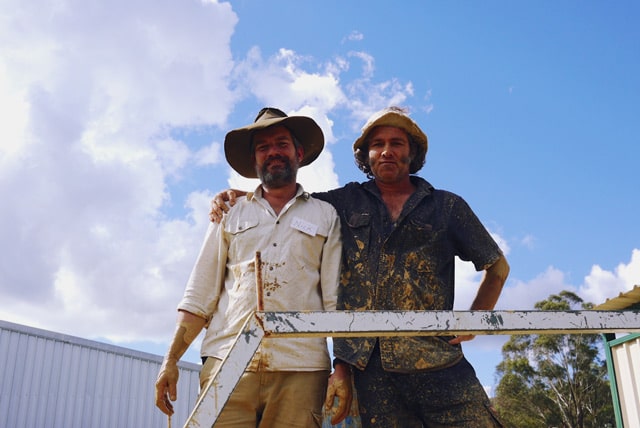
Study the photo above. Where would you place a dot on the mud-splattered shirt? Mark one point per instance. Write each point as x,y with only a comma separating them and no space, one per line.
404,265
300,256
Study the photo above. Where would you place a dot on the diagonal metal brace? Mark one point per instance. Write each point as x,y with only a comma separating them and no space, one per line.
216,393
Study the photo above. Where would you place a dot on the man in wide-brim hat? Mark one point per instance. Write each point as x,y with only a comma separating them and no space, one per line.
278,249
239,150
400,243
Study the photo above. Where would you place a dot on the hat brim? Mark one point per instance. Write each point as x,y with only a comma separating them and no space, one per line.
398,121
238,150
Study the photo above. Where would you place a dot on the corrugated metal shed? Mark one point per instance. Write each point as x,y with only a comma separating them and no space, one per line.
54,380
625,359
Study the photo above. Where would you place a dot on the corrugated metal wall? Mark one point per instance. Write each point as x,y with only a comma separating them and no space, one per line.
54,380
626,360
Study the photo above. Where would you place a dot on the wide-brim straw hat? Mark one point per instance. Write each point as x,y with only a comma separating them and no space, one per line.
239,151
393,116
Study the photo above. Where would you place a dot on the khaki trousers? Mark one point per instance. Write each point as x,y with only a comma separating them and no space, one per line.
283,399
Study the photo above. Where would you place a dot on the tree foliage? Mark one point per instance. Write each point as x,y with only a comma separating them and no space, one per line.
554,380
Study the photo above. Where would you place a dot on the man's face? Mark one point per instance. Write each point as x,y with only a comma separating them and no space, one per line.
389,153
276,157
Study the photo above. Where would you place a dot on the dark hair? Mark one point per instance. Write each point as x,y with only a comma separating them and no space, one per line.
296,143
416,151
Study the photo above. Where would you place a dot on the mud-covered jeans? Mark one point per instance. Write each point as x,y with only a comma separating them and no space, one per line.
450,397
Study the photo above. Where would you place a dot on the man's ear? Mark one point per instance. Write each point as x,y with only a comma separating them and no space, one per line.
300,152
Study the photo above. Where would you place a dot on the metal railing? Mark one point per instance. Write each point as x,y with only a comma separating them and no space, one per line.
392,323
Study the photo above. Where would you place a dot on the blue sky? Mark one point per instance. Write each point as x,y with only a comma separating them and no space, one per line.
113,115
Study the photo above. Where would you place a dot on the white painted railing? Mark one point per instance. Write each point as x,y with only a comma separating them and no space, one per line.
392,323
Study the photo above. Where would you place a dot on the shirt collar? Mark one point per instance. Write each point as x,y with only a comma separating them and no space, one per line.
423,187
300,193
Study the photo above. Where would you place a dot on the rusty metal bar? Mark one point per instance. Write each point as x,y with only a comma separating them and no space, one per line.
393,323
259,293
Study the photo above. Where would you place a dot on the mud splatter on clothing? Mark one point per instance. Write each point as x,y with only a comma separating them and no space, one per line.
408,264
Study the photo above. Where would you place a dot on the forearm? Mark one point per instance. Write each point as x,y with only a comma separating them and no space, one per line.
491,286
188,326
488,293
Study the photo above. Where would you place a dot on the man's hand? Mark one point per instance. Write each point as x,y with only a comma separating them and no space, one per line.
339,386
167,386
459,339
188,326
219,206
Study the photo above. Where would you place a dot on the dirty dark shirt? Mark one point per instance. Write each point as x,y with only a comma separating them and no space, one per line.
404,265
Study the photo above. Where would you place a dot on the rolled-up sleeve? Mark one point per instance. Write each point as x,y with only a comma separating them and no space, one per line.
206,281
330,267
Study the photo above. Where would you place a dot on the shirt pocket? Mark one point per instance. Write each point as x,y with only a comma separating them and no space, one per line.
241,235
419,236
323,230
304,250
359,225
241,226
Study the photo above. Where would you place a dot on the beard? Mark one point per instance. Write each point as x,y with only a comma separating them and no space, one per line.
279,176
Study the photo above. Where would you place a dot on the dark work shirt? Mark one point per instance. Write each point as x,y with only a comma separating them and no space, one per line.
404,265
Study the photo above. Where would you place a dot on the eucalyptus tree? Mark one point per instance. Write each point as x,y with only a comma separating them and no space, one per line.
554,380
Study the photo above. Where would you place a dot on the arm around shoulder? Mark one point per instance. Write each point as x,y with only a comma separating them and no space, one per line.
219,203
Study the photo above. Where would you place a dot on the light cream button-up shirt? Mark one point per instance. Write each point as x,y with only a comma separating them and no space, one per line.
300,253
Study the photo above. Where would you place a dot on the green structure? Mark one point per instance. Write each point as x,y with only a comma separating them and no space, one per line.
623,362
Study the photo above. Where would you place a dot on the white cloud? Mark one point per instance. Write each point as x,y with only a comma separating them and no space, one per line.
368,62
467,282
320,175
522,295
294,84
283,82
353,36
236,181
597,286
88,99
601,285
210,155
14,111
171,154
90,91
529,241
